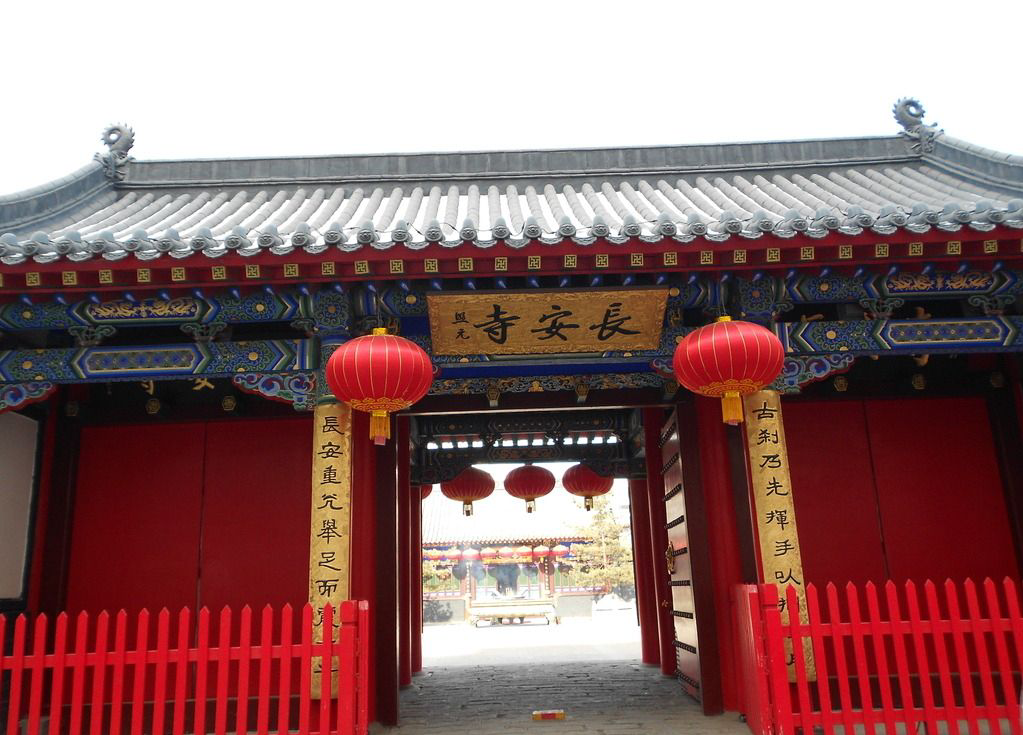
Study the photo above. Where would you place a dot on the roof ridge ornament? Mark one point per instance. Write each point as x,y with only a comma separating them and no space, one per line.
119,138
909,113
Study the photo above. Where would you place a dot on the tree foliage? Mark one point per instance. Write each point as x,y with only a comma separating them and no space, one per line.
606,561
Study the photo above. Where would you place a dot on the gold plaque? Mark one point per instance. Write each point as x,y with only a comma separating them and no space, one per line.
32,278
545,321
218,273
178,273
143,275
252,270
706,257
670,258
69,278
845,252
774,255
327,268
291,270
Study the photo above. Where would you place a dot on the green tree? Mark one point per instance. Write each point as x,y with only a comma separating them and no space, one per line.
437,577
605,561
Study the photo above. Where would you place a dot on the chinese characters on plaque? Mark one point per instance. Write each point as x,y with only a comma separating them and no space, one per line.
511,323
330,541
773,507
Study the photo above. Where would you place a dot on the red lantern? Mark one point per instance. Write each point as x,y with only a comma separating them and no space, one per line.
453,554
581,480
379,373
528,483
425,490
488,553
560,551
471,484
470,555
540,553
524,553
433,554
506,552
728,360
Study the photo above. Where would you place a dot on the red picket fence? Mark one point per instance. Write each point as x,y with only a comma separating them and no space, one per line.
205,678
951,664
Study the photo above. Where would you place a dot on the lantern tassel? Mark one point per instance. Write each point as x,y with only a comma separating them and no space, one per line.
731,408
530,506
589,503
467,507
379,427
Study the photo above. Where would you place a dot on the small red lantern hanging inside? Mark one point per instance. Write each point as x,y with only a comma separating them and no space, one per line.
433,554
488,554
528,483
582,481
728,360
470,485
540,553
453,554
560,551
425,490
379,373
506,552
470,555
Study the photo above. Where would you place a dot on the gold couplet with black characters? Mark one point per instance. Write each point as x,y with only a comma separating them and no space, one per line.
330,531
546,321
775,512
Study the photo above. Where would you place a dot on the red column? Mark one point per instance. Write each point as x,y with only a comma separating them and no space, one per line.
42,509
716,477
646,605
401,441
387,583
416,565
364,543
653,418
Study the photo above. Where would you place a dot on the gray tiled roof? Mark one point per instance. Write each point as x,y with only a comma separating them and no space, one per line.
177,209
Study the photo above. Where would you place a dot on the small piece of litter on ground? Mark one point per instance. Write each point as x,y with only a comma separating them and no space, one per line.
549,714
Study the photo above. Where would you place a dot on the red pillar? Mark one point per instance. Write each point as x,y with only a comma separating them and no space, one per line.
416,566
401,441
42,509
364,542
646,605
387,583
715,472
653,419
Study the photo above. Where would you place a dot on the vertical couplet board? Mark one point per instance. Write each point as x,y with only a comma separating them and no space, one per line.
677,560
775,512
330,530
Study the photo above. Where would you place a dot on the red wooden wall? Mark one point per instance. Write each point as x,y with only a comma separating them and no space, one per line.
898,488
204,513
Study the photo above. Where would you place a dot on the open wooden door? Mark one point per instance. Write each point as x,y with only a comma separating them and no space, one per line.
678,563
687,551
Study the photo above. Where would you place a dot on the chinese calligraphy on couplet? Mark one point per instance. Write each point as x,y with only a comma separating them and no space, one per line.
773,506
329,539
510,323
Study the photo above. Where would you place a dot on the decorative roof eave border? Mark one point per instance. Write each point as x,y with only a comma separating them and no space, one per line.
564,258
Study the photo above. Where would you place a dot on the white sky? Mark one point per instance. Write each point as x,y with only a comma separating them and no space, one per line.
225,79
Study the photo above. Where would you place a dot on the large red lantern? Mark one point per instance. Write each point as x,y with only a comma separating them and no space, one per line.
379,373
728,360
425,490
582,481
528,483
471,484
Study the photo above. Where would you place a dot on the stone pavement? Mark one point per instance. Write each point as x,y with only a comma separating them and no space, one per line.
599,697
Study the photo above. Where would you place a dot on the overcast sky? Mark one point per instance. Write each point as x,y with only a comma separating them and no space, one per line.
226,79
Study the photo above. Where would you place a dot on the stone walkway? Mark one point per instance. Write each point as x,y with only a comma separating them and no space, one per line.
603,698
